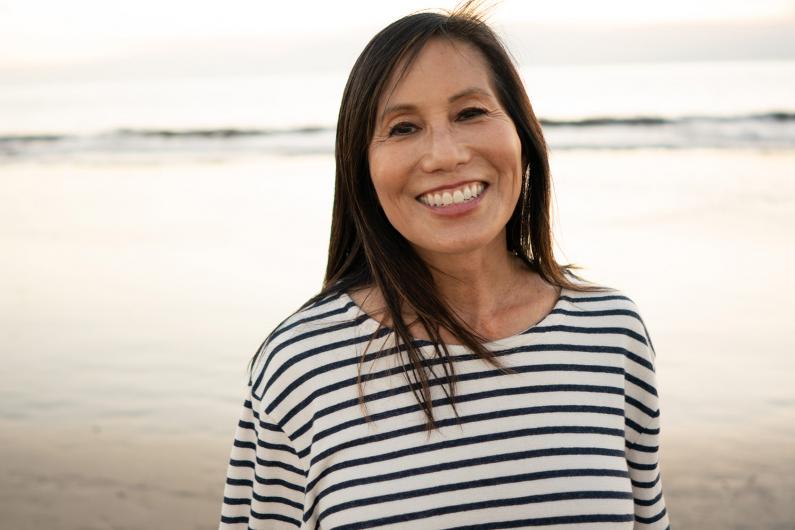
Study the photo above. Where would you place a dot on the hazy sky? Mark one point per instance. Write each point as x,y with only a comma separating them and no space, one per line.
39,37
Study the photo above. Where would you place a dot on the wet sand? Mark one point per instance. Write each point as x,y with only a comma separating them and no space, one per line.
72,479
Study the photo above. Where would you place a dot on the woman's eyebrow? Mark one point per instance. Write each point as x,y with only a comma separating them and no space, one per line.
408,107
471,91
400,107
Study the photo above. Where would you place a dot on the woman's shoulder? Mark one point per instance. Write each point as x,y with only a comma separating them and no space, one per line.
592,295
601,306
321,321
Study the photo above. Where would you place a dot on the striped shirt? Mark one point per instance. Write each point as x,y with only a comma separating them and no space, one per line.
570,440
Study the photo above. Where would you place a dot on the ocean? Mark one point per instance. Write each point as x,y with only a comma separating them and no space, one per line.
627,106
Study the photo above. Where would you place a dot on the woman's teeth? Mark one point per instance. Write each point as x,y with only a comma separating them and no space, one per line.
454,196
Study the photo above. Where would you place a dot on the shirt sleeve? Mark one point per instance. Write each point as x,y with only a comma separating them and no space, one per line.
643,463
265,481
643,438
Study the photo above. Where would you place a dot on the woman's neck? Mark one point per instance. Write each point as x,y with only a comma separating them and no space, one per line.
482,284
494,293
490,288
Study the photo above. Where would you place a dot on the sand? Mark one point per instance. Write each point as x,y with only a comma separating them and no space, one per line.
74,479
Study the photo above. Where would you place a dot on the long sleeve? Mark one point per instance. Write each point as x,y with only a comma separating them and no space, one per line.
643,462
643,436
265,482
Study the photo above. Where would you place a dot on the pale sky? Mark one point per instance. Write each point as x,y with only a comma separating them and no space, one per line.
49,35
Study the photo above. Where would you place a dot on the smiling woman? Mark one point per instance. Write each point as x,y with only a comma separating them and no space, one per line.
441,257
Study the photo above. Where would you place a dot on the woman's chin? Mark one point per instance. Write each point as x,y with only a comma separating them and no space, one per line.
457,246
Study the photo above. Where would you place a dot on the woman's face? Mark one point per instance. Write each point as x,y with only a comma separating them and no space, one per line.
445,158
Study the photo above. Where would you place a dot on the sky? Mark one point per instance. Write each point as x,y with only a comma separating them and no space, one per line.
158,37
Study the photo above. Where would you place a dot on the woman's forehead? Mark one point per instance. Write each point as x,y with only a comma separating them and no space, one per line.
439,65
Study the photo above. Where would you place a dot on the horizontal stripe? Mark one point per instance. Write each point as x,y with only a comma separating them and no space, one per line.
332,296
283,326
338,311
278,500
277,463
634,426
538,348
479,483
439,381
328,367
236,502
642,431
433,382
642,467
591,299
646,485
275,446
278,482
266,425
598,313
261,498
280,328
449,444
594,330
642,384
652,413
642,448
314,333
310,353
241,463
234,520
528,499
550,521
649,502
465,398
245,445
525,432
446,466
650,520
275,517
538,431
433,362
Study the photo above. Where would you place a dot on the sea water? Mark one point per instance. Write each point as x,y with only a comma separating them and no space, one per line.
669,105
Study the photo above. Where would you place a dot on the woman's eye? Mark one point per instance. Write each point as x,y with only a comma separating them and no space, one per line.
402,129
471,112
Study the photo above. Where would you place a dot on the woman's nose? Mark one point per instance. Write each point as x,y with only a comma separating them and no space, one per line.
443,151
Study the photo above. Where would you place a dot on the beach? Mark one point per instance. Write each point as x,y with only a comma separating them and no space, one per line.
79,479
137,290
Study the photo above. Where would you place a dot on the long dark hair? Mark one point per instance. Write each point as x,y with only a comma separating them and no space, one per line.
367,251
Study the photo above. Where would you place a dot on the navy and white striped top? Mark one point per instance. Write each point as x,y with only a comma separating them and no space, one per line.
568,441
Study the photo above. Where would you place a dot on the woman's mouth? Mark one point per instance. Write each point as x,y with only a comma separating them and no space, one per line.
452,196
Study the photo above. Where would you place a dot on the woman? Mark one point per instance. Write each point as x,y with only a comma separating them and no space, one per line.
500,390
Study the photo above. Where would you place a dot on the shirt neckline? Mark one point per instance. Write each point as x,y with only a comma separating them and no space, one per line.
375,324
